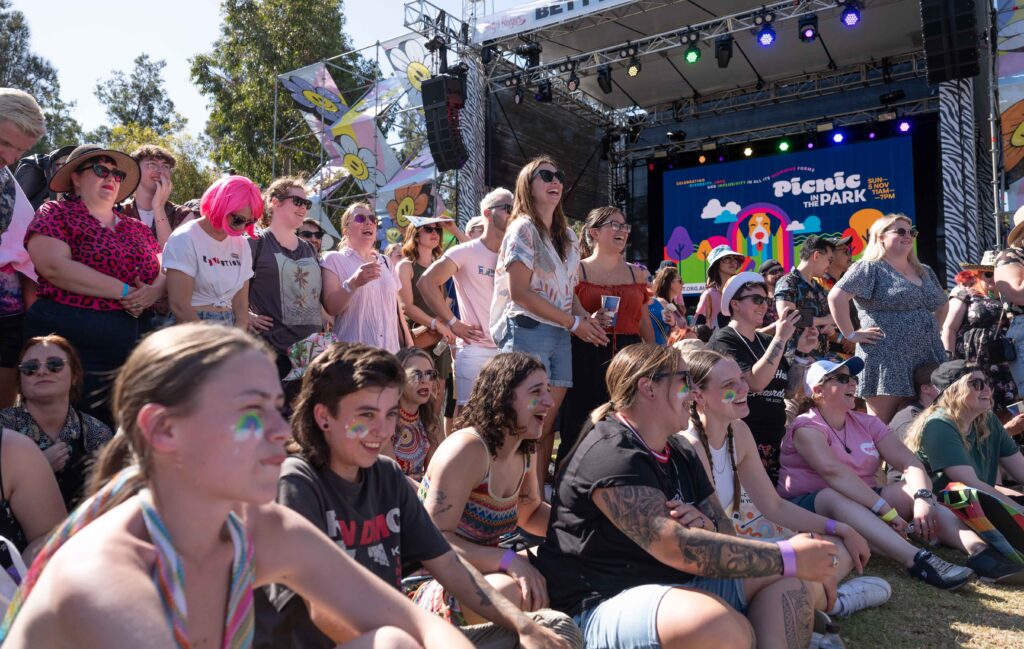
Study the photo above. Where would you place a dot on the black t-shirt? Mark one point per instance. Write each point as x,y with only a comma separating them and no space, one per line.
378,521
586,559
767,418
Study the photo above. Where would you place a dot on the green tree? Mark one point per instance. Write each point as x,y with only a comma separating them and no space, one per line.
21,68
140,98
192,175
259,40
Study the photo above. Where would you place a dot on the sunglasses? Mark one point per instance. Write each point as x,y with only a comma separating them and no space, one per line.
758,300
504,206
547,175
239,222
903,232
103,172
987,275
979,384
298,201
432,229
53,365
419,376
617,227
774,271
680,374
306,234
365,218
843,379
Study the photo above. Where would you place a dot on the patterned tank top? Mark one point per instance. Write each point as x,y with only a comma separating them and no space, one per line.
486,517
411,444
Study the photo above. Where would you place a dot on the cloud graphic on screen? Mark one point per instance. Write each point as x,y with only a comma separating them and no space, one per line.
795,226
812,224
714,210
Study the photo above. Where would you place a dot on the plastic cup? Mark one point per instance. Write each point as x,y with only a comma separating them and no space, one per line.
610,303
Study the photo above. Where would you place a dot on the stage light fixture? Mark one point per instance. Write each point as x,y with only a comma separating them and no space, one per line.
573,83
808,28
871,135
634,67
850,15
838,137
892,97
692,54
709,146
604,79
487,54
784,146
676,136
702,159
518,96
436,43
566,65
530,50
721,158
461,68
810,145
822,127
766,36
543,93
723,50
904,126
748,152
628,51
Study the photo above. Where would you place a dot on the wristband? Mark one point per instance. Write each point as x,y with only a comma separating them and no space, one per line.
433,324
452,321
877,507
125,290
575,324
348,289
830,527
788,558
506,560
889,516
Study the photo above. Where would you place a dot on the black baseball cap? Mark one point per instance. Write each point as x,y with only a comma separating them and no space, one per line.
950,372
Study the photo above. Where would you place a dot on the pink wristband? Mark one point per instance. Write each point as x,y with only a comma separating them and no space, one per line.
506,560
788,558
830,527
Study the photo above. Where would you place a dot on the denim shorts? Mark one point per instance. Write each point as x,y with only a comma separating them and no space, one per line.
806,501
469,360
226,318
550,344
630,619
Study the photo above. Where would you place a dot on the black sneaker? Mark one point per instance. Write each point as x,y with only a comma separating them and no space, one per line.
934,571
993,568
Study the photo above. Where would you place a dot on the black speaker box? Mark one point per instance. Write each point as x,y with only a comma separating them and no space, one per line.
950,39
443,98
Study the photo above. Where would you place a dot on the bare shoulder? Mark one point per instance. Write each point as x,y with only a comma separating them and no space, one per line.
463,446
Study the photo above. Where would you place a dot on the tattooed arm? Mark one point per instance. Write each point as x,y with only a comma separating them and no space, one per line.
713,510
763,371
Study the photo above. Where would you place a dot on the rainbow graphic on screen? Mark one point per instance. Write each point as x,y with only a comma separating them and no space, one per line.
761,233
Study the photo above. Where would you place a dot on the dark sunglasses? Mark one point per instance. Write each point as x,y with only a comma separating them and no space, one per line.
419,376
365,218
979,384
843,379
102,171
755,298
680,374
53,365
987,275
299,201
306,234
504,206
903,232
434,229
239,222
774,271
547,175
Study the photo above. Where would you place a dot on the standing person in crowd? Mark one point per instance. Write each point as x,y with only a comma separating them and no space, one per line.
1009,280
98,270
761,357
477,225
604,273
208,263
723,263
360,286
393,253
901,304
471,267
609,510
34,172
975,318
960,439
21,125
418,433
481,483
841,260
422,248
799,289
925,395
729,454
535,309
284,292
49,382
311,232
151,203
830,461
340,483
202,438
664,312
772,271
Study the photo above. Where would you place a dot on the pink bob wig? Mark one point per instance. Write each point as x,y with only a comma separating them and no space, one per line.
228,195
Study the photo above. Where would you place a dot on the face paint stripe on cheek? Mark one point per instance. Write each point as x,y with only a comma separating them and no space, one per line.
533,404
357,431
729,396
683,391
249,426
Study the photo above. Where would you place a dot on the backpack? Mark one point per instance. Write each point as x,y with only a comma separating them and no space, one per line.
33,174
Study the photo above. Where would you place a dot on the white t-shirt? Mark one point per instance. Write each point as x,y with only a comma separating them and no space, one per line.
474,284
146,216
371,316
219,268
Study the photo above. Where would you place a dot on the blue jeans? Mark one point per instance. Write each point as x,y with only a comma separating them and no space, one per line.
226,318
550,344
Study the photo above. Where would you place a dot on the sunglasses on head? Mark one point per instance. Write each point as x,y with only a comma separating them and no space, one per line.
365,218
102,171
53,365
679,374
979,384
547,175
904,232
433,229
755,298
298,201
843,379
306,234
419,376
239,222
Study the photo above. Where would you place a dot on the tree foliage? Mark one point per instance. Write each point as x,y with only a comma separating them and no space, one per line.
22,69
191,175
140,98
259,40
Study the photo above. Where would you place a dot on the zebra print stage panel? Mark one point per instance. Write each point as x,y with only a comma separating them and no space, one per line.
471,122
959,177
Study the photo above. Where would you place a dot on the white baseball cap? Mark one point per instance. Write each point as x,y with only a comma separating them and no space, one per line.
820,370
735,283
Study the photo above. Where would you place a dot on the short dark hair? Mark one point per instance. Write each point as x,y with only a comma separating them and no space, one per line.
923,376
813,244
154,151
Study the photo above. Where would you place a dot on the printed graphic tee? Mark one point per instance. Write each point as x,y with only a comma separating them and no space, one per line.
474,284
219,268
286,287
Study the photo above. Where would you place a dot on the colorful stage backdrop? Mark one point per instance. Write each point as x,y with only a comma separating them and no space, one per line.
765,207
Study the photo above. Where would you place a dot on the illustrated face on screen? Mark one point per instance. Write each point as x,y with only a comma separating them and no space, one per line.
760,230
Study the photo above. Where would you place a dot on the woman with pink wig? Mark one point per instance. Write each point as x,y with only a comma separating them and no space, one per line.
208,263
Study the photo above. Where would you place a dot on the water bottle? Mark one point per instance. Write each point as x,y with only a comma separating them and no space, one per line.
828,640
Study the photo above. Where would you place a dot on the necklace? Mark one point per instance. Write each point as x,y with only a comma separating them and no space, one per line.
662,457
661,460
747,345
842,440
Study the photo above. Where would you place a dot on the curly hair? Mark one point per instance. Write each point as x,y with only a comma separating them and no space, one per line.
343,368
489,410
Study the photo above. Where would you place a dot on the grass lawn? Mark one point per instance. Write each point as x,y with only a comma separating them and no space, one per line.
977,616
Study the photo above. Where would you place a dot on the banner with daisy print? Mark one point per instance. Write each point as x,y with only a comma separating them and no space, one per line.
408,58
318,98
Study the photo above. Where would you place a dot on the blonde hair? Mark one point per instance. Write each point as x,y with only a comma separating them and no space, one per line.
22,110
875,250
279,189
953,402
346,219
493,195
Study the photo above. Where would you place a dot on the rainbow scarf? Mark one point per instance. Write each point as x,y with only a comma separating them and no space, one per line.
964,502
168,572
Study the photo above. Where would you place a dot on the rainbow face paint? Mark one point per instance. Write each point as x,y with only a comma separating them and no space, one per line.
683,391
357,431
729,396
249,426
533,404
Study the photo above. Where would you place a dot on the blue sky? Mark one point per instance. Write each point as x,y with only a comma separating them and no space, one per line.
174,31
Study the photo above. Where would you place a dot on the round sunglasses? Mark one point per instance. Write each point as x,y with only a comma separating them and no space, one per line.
53,365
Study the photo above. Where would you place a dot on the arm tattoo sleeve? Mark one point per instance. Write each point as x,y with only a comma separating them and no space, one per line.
713,510
774,349
797,617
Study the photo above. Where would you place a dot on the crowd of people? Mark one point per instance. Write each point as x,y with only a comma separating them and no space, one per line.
356,447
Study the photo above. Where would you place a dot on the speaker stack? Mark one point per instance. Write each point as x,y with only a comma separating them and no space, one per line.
950,39
443,98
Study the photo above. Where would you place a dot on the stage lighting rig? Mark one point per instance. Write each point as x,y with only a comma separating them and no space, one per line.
604,79
808,28
904,126
676,136
723,50
892,97
530,50
573,83
692,54
748,152
436,43
690,40
543,94
518,96
765,32
487,54
566,65
850,15
634,67
784,146
628,51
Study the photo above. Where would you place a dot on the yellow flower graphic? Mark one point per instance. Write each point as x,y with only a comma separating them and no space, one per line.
361,163
410,200
409,58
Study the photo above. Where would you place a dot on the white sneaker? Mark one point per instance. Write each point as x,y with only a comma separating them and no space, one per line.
860,593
